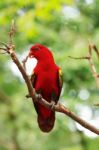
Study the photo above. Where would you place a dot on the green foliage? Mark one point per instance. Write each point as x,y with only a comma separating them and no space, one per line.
47,22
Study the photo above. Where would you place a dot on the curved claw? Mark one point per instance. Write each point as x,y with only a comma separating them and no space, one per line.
52,105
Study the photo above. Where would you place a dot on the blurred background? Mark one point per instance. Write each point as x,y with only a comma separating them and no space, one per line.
66,27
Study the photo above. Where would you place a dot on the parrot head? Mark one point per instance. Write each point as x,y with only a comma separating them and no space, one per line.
40,52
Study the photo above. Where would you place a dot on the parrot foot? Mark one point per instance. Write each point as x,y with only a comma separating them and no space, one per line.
52,105
39,97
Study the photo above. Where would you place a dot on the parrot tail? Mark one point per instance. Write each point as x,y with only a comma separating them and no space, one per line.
46,124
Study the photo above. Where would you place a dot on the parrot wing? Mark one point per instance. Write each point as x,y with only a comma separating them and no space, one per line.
60,84
54,96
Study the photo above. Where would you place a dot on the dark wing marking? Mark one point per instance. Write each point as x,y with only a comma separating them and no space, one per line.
55,97
60,81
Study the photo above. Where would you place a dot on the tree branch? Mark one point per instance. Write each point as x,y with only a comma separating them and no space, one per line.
35,97
92,47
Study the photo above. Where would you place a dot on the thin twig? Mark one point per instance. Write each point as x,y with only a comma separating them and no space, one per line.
4,44
91,62
84,57
96,50
24,62
97,104
12,32
3,53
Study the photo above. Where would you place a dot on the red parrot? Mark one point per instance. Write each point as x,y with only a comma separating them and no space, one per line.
47,81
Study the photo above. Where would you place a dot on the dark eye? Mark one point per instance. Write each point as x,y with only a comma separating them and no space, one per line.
36,48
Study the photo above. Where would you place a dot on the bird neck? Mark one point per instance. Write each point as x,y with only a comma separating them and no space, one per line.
46,63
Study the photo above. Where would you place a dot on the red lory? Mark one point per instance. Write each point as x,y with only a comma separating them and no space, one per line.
47,81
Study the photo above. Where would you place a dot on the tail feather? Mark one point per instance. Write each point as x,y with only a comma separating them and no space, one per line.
46,124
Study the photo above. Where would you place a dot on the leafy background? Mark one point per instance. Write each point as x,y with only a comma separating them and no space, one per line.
66,27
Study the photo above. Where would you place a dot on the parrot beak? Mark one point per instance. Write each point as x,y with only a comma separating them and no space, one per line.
31,55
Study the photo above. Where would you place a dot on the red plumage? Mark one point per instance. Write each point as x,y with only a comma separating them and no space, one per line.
47,81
